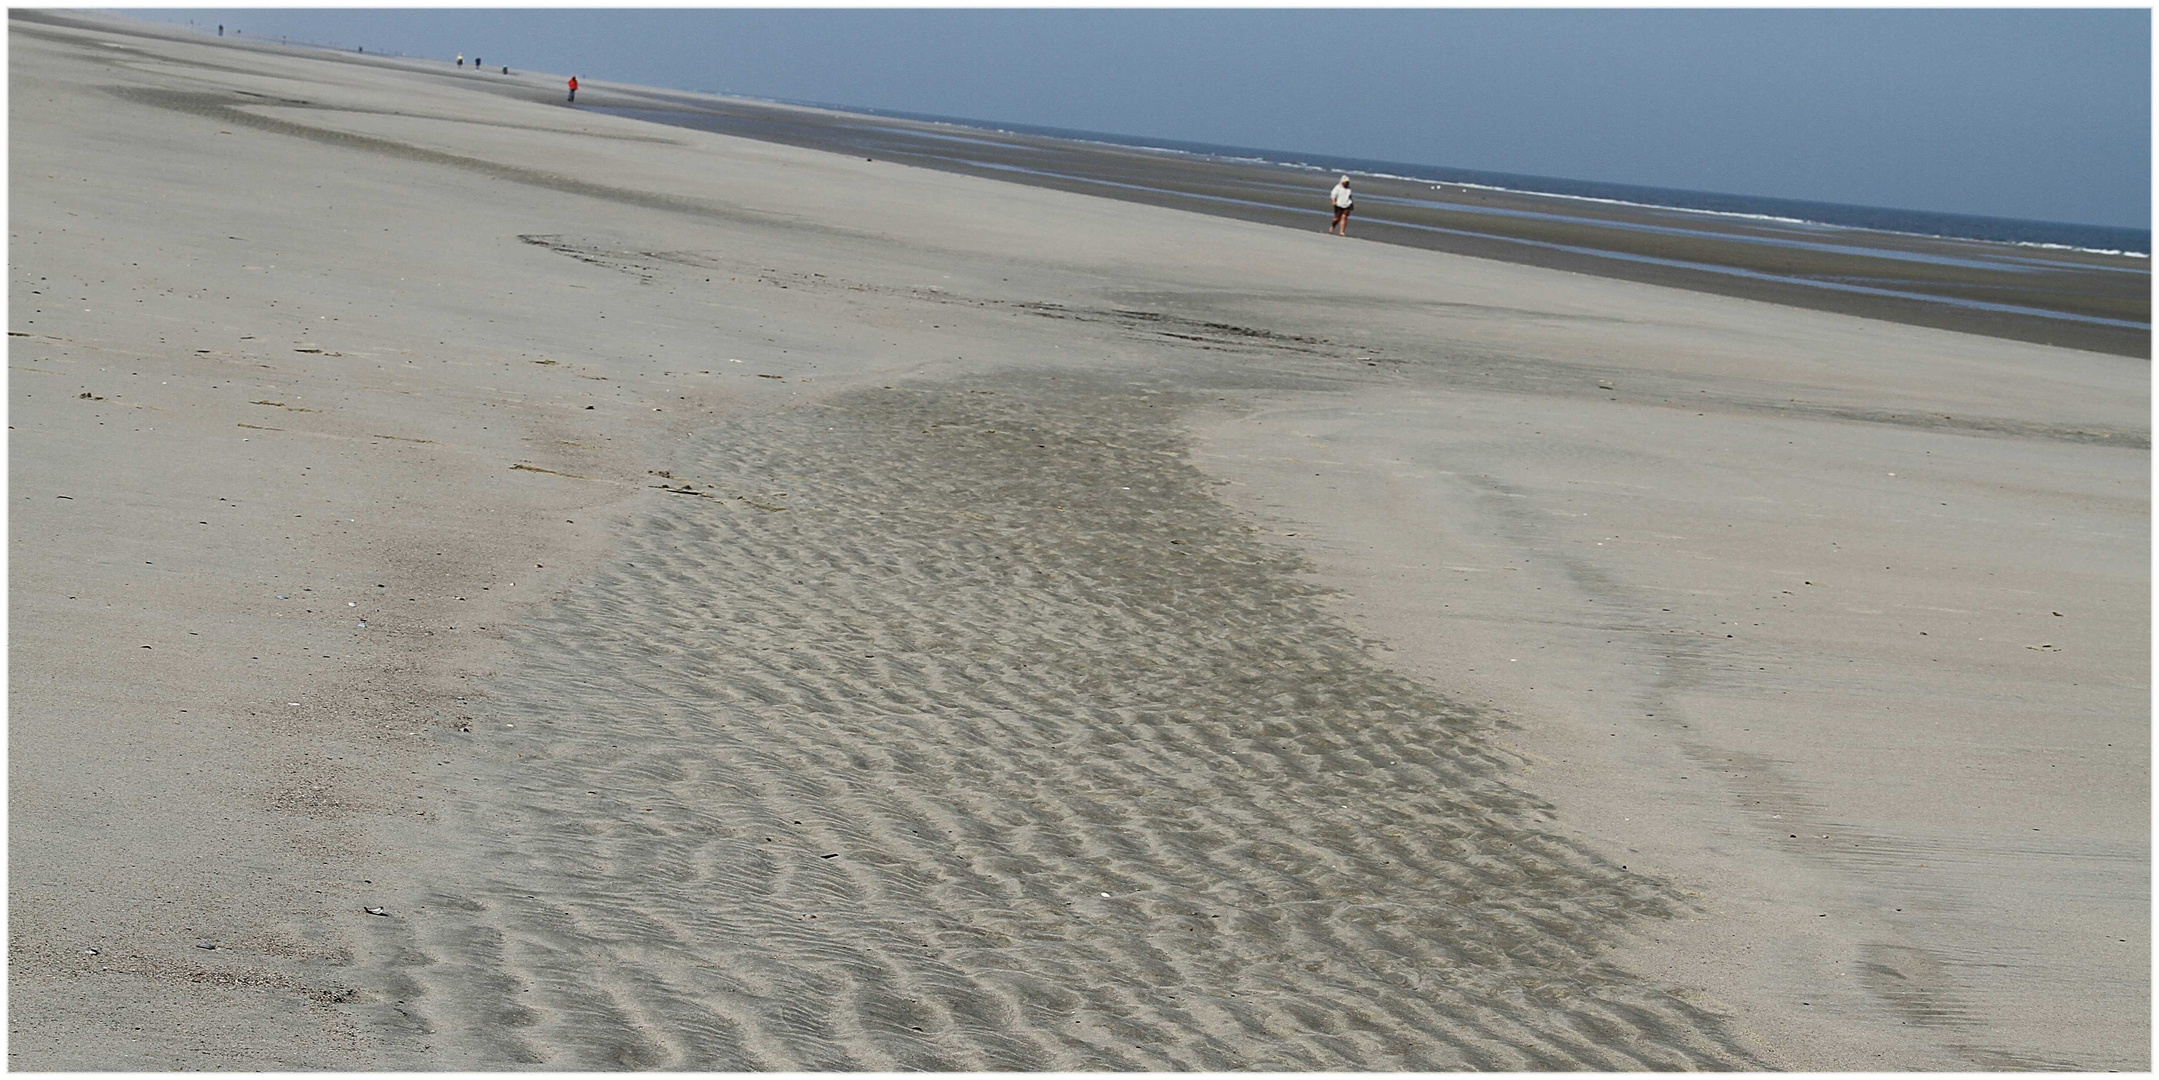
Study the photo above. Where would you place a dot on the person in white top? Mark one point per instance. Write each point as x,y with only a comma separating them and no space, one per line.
1341,200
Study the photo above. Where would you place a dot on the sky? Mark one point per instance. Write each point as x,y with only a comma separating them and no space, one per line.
2031,113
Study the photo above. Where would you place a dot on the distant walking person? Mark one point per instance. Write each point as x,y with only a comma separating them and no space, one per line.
1341,200
573,88
475,63
460,59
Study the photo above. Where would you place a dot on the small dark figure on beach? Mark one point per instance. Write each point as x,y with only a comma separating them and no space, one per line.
573,88
1341,200
221,29
460,59
506,69
475,63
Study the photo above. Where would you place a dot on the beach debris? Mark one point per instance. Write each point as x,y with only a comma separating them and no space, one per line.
206,945
550,472
376,911
90,952
834,855
2044,648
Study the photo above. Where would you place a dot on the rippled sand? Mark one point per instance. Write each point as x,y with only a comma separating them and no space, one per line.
955,728
499,586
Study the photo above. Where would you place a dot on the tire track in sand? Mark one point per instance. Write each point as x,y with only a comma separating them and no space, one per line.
964,730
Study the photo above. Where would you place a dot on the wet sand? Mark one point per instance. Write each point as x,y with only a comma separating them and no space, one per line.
733,606
2078,299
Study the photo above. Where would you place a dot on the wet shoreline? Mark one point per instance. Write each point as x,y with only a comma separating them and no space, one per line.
2075,299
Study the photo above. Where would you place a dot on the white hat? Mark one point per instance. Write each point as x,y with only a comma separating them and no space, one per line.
1345,179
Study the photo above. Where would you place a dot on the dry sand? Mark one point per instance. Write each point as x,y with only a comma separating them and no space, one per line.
730,606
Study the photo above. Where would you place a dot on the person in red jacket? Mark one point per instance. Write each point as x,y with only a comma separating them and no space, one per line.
573,88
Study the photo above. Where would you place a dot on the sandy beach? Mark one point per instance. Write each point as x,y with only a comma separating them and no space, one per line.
496,585
2095,300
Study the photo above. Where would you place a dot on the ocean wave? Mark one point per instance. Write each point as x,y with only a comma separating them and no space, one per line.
1742,215
1203,151
1310,166
1606,200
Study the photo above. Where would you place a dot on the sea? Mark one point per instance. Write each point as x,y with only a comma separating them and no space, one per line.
2084,286
2102,239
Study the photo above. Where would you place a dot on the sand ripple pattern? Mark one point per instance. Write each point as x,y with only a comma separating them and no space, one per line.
957,729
